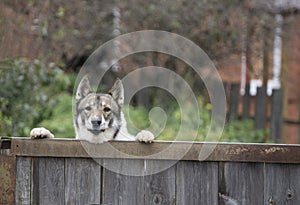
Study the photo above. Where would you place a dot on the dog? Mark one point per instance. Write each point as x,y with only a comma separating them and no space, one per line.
98,116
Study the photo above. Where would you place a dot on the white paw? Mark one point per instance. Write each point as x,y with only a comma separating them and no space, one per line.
40,132
145,136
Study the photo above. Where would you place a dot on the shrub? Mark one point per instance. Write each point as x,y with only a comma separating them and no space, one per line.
26,94
61,121
244,131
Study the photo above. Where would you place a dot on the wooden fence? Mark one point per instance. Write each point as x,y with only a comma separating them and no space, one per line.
61,172
267,111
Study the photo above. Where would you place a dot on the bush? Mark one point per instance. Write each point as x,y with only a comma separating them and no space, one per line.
61,121
26,94
244,131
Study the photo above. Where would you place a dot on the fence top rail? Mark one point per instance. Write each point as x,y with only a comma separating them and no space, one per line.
159,150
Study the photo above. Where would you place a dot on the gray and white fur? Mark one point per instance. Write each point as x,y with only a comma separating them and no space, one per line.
98,116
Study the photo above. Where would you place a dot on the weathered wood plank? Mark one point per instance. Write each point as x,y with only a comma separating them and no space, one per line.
255,153
282,184
48,181
123,189
71,178
160,187
47,148
241,183
82,181
272,153
197,183
23,181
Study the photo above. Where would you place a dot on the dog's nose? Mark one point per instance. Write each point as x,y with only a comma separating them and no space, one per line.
96,122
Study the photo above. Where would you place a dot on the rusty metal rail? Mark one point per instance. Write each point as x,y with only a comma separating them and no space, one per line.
7,172
5,143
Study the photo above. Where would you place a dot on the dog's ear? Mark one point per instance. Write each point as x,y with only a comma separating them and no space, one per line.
83,89
117,92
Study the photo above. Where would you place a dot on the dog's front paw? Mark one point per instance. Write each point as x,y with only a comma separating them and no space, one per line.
145,136
40,133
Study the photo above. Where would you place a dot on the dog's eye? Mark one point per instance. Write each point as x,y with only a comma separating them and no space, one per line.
106,109
88,108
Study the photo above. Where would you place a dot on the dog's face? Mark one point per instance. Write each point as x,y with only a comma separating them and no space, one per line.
98,114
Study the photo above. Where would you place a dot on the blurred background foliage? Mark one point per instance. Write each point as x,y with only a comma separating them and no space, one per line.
62,34
214,25
28,94
33,94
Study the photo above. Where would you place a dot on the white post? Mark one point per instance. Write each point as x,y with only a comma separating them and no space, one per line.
116,31
274,83
244,55
254,84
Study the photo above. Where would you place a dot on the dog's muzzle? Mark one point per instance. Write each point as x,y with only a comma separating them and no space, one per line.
95,132
96,122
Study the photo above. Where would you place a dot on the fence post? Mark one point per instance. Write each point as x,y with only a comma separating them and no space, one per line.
260,108
246,103
234,101
299,121
276,115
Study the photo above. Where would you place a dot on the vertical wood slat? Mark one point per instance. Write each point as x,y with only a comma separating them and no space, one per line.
48,181
120,188
23,181
241,183
260,108
282,184
78,181
197,183
160,187
276,115
82,181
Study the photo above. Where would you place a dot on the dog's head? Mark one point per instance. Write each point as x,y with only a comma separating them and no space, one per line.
99,112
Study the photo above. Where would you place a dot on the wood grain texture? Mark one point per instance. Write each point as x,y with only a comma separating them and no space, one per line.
230,152
197,183
160,188
282,184
48,181
123,189
234,174
23,181
241,183
82,181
